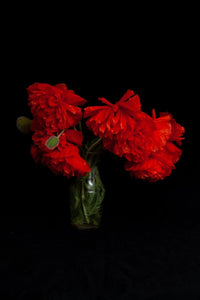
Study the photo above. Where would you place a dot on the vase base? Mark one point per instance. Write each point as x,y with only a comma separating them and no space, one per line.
85,226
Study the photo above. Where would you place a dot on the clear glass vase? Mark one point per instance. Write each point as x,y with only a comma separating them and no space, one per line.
86,195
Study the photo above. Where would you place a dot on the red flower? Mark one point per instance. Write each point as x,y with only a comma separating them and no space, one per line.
65,159
54,107
115,119
135,146
167,129
145,142
160,162
158,166
121,124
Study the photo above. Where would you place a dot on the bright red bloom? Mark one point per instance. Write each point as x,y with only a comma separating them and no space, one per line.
146,142
158,166
115,119
160,163
121,125
54,107
137,145
65,159
167,129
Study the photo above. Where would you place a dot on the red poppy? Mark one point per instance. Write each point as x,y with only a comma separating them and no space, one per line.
135,145
158,166
115,119
64,159
145,142
119,124
54,107
161,161
167,129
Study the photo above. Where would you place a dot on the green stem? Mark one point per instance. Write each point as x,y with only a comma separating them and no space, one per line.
61,133
92,147
83,205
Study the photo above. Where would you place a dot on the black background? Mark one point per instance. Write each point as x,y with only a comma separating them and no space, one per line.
148,244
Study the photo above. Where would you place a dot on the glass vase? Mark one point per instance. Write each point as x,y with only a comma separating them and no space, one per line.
86,195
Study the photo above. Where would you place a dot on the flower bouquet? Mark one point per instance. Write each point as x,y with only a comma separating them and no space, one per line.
149,145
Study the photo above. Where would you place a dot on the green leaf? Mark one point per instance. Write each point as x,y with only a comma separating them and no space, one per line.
24,124
52,142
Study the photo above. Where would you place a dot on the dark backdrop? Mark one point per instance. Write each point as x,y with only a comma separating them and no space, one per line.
148,245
